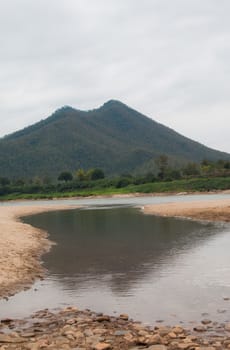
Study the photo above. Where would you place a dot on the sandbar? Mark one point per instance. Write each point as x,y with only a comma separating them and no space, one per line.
212,210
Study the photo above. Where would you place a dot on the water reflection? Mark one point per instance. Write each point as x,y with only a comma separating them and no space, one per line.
117,247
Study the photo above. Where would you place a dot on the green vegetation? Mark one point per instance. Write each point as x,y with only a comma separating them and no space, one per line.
92,174
65,176
114,138
206,176
192,185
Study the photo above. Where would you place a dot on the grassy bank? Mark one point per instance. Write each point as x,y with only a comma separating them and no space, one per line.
190,185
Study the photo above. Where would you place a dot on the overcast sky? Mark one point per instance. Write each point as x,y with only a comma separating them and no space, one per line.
169,59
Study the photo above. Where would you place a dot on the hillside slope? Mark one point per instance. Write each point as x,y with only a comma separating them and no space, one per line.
113,137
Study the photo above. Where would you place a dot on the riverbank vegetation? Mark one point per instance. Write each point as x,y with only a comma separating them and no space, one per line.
206,176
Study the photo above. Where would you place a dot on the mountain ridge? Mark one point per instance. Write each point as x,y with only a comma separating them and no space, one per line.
114,137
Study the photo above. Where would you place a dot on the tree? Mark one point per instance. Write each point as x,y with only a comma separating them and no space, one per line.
96,174
37,181
47,180
172,174
82,175
19,182
206,167
65,176
4,181
226,165
191,169
162,164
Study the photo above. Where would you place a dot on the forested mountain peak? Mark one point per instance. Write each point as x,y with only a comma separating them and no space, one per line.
113,137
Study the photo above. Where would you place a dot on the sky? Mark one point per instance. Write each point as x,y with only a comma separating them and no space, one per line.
168,59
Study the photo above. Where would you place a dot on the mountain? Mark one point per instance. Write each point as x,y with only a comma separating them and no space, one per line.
113,137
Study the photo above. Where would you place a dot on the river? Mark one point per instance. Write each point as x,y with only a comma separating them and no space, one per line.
112,258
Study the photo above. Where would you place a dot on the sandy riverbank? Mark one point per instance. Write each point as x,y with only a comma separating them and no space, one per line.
21,247
213,210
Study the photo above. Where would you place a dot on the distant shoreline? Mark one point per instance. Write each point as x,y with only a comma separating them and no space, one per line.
117,195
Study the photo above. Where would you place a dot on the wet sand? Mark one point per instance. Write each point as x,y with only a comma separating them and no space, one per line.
213,210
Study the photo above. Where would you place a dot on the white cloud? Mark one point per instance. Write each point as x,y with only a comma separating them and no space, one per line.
168,59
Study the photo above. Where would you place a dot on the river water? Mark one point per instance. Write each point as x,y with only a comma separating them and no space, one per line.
112,258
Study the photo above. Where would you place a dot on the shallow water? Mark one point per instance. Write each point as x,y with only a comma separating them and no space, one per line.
116,259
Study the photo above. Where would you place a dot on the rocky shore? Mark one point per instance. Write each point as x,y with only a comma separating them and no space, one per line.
73,329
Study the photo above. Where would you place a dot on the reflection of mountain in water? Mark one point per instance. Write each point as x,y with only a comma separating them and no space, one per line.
115,247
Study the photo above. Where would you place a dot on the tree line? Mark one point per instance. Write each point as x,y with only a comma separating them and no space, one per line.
95,178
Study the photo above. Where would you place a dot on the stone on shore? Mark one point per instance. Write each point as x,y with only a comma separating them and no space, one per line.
71,328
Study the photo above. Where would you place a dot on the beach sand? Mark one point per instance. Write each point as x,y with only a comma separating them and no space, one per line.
213,210
21,247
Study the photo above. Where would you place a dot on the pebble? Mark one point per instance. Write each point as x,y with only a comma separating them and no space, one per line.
71,328
200,329
206,321
177,330
122,332
124,317
227,327
102,346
